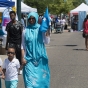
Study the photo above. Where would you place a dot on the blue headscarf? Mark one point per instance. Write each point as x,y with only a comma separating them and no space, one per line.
32,27
35,15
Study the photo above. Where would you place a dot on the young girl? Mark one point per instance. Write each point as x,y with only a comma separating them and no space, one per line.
11,66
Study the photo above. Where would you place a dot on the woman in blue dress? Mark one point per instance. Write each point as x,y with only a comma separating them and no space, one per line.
36,72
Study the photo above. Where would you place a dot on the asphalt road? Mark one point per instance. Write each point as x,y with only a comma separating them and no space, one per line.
68,61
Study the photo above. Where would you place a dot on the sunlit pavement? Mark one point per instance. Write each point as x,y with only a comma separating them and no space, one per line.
68,61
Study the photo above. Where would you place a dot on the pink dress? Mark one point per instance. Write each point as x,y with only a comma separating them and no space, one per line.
86,27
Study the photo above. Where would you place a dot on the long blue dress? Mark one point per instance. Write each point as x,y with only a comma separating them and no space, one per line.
0,83
36,72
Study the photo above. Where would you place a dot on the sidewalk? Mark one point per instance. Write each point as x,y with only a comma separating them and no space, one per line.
3,57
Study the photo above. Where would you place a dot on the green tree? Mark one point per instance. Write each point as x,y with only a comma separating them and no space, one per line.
59,6
55,6
40,5
78,2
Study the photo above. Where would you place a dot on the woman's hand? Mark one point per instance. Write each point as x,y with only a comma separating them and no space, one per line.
23,61
3,77
47,33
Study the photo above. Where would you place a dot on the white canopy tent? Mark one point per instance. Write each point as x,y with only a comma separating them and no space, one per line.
81,12
24,8
82,7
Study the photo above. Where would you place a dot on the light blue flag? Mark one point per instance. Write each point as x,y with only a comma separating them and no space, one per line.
45,22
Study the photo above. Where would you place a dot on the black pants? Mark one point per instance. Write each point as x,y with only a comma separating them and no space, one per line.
17,50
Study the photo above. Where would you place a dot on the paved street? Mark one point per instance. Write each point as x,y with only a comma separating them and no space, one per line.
68,61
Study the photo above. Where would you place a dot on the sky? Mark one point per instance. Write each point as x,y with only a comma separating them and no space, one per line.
86,1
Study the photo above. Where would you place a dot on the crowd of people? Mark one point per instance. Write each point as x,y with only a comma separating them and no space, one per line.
60,22
56,21
26,52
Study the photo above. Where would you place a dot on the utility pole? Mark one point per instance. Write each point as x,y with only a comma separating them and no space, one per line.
19,9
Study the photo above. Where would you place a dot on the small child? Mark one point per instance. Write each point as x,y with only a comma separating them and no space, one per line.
0,71
11,66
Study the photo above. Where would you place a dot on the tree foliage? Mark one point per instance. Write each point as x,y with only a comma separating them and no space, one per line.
78,2
55,6
61,7
40,5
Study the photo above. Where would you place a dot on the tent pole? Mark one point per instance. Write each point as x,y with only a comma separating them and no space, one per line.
19,9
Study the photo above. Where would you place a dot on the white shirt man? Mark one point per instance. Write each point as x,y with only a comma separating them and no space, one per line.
63,21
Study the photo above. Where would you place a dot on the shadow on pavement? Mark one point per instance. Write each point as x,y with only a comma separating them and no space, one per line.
80,49
70,45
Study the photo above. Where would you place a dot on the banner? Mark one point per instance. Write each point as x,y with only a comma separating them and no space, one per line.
5,19
81,17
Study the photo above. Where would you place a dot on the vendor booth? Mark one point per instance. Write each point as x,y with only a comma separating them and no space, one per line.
6,3
82,7
24,8
81,12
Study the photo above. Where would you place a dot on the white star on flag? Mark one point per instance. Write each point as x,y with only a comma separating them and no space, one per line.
44,19
45,22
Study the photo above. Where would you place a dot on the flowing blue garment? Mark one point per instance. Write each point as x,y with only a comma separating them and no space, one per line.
36,72
0,83
11,84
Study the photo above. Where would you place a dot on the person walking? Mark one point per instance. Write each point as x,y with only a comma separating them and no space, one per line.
63,22
85,31
14,35
10,69
36,71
